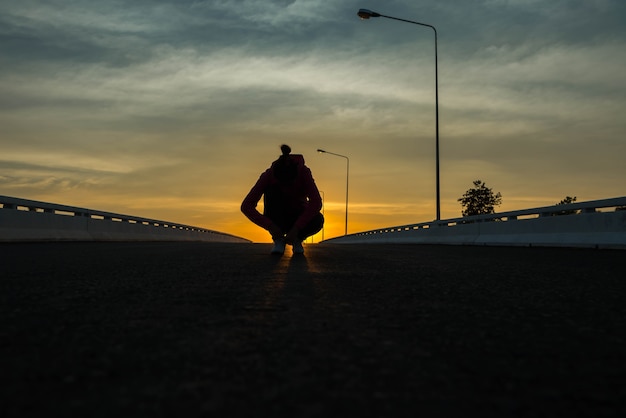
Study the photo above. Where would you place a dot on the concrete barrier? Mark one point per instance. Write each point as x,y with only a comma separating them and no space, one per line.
595,224
29,220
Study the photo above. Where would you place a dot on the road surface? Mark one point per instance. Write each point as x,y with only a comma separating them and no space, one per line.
226,330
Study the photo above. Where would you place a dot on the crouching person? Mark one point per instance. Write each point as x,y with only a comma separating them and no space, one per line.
291,202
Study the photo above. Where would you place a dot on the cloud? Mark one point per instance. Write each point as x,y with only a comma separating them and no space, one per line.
186,102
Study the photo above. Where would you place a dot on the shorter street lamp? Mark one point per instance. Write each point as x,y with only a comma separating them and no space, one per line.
347,178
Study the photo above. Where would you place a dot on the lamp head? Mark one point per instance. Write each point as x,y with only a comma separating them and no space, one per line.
320,150
366,14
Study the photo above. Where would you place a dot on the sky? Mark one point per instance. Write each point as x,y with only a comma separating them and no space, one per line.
172,109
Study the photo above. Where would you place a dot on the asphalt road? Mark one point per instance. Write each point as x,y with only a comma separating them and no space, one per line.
226,330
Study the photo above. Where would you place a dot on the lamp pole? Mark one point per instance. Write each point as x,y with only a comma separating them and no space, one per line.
366,14
347,178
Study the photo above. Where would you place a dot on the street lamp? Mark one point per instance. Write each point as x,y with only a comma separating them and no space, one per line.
366,14
347,177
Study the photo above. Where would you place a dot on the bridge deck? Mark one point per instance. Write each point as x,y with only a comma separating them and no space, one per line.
155,329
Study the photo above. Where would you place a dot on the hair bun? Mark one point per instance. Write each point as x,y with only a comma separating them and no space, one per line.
286,149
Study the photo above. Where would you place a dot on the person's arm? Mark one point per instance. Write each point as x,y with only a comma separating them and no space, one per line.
248,206
315,200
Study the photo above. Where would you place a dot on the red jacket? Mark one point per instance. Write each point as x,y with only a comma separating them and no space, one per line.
302,194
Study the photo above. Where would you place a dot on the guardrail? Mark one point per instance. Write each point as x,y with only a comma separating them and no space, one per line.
30,220
597,224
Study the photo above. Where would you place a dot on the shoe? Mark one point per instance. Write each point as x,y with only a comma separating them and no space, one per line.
279,247
298,248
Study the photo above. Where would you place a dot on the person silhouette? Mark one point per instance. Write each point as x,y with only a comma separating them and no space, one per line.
291,202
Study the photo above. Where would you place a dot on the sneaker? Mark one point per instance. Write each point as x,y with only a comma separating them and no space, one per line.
298,248
279,247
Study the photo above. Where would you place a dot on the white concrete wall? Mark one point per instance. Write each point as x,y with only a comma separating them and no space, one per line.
27,220
591,227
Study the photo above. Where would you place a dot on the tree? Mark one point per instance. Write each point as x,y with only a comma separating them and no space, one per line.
566,201
479,200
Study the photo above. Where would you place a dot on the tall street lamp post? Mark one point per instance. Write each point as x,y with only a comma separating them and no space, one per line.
347,178
366,14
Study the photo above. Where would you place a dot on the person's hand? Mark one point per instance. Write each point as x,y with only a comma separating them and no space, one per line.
292,236
276,232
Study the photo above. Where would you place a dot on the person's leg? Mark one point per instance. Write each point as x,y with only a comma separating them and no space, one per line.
274,209
313,227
